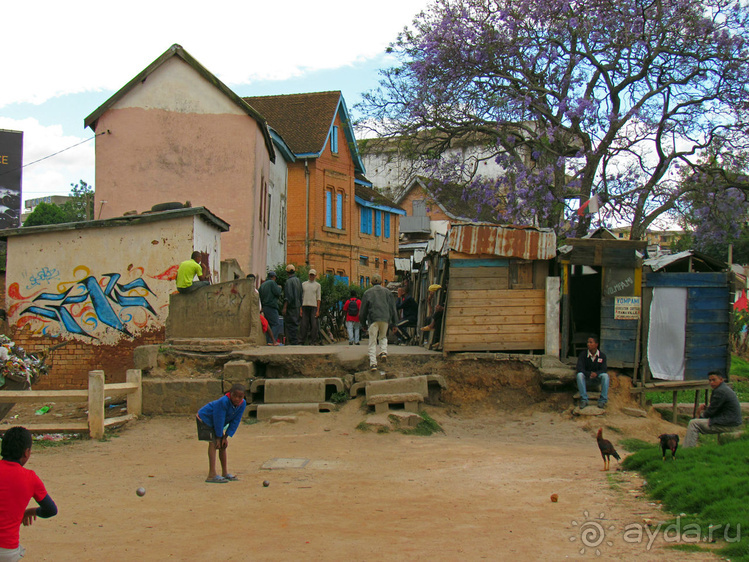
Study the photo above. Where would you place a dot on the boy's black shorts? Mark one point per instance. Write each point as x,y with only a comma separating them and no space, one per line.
205,431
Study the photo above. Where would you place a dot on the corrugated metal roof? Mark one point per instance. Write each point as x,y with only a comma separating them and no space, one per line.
508,241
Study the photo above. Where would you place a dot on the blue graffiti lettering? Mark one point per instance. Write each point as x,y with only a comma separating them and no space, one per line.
101,301
43,275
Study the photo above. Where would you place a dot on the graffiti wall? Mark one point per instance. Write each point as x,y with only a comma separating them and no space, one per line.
97,285
81,304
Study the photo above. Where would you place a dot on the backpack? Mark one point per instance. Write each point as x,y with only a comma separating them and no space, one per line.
353,307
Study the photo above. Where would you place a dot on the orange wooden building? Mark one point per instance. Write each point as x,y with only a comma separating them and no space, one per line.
336,222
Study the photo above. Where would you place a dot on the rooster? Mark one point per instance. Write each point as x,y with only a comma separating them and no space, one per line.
669,441
607,450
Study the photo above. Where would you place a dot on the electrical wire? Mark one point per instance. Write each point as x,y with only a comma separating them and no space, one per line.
51,155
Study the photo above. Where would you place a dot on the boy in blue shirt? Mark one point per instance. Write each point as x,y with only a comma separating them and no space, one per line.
217,421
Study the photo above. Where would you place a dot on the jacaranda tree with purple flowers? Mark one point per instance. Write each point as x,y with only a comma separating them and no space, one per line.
573,99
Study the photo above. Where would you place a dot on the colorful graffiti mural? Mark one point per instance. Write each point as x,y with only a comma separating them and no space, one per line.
85,305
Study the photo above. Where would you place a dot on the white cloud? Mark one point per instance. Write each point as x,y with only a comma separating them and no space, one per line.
84,46
54,174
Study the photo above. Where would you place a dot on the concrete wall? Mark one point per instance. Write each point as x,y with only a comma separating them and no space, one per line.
223,310
276,252
176,137
389,169
100,291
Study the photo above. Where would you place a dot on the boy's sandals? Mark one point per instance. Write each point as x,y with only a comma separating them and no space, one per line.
230,478
217,480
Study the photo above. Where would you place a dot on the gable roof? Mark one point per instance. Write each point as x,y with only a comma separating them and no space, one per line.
305,121
449,198
177,51
368,197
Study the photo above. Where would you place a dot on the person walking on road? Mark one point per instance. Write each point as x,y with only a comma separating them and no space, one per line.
378,313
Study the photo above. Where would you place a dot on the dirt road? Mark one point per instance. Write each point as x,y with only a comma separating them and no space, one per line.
480,491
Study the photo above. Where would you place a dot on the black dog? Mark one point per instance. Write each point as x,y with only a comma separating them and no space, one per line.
669,441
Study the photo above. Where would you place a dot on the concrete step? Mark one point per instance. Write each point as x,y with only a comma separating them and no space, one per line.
267,411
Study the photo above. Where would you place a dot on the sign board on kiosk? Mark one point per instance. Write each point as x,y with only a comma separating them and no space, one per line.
626,308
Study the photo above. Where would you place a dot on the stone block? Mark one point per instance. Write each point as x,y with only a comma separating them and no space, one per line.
239,371
294,391
267,411
224,310
410,401
403,385
178,396
635,412
589,411
724,438
145,356
285,419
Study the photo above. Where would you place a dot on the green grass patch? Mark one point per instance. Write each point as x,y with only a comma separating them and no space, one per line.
709,484
687,547
339,397
613,429
427,426
634,445
739,367
364,426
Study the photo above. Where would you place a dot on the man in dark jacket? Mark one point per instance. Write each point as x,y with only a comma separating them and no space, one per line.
721,416
292,291
378,313
269,293
591,369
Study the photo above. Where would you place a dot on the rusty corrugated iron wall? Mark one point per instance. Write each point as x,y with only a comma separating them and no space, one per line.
509,241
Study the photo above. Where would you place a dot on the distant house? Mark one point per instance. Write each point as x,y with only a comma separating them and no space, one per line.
176,133
439,202
335,222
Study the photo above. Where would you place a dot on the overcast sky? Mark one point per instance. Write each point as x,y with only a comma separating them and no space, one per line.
62,60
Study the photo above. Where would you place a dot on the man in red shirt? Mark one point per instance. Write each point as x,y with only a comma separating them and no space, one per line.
17,486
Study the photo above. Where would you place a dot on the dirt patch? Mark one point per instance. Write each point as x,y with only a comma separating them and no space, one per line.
480,489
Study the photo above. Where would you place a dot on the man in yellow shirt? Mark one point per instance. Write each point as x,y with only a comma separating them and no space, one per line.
188,269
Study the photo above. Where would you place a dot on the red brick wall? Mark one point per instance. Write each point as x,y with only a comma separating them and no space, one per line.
70,364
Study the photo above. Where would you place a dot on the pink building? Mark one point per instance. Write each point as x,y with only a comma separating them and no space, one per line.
175,133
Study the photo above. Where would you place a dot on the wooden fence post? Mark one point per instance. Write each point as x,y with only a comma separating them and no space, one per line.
96,404
135,399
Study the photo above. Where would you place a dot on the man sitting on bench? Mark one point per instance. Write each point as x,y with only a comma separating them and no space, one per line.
723,415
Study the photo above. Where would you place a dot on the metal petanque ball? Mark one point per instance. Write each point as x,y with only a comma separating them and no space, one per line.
141,492
266,483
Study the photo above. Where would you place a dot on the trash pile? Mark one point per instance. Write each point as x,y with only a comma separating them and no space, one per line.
16,365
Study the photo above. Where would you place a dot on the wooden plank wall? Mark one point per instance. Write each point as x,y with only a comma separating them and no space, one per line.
708,319
484,314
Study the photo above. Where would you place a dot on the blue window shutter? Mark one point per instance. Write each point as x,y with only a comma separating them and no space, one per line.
377,223
369,221
386,227
361,220
339,210
328,209
334,140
